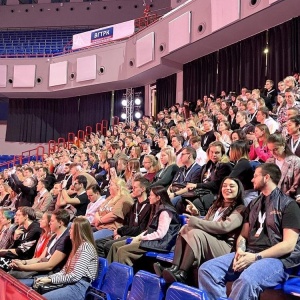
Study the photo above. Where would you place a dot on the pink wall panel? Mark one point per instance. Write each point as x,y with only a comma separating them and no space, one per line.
145,49
58,73
180,31
24,76
86,68
224,13
248,9
3,75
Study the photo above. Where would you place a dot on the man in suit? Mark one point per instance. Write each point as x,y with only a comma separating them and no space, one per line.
43,199
209,135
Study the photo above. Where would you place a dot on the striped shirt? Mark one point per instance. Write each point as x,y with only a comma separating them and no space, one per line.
83,264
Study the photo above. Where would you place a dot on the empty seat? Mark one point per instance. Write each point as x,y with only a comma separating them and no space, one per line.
148,286
181,291
102,269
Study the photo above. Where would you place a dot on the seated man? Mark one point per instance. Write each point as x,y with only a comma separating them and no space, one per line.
79,201
188,173
43,199
26,238
268,243
135,221
212,174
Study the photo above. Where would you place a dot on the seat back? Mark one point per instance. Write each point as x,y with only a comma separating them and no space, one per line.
148,286
117,281
181,291
102,269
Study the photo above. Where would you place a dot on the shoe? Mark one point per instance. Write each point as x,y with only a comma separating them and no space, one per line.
158,268
177,276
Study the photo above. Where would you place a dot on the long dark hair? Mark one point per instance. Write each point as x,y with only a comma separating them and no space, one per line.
165,201
278,139
237,201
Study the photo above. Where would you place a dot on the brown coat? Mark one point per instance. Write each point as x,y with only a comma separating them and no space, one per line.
209,239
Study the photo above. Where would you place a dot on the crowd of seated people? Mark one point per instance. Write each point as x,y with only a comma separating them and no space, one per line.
120,195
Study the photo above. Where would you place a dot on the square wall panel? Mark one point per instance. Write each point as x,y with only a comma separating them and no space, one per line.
145,49
58,73
180,31
224,13
3,75
24,76
86,68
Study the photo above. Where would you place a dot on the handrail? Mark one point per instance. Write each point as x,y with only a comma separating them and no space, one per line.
140,24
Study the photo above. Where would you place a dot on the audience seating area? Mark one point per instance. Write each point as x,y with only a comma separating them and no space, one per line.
119,283
14,43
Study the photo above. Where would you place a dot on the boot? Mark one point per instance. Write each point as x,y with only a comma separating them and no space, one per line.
177,276
158,268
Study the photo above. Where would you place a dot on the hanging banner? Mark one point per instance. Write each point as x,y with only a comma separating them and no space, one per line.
102,35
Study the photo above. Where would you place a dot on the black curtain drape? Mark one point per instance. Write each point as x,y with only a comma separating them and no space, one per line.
200,77
166,92
229,68
93,109
253,61
41,120
284,49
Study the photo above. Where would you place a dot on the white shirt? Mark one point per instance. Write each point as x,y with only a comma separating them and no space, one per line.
272,124
92,208
201,158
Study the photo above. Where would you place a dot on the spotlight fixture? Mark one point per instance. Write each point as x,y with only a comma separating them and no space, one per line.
124,102
138,114
137,101
123,116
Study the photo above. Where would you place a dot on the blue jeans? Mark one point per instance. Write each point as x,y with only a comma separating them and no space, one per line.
260,275
102,233
175,200
70,292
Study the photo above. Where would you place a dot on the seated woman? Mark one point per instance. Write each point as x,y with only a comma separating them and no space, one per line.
259,150
165,175
242,170
7,228
80,269
161,234
213,236
5,195
112,211
53,256
151,166
288,163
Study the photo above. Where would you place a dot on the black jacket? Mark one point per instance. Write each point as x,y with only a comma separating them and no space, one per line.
220,171
129,228
26,194
168,241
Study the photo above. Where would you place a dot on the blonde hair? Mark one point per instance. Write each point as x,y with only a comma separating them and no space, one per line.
171,154
154,162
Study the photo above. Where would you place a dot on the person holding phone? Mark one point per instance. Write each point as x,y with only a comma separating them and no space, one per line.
213,236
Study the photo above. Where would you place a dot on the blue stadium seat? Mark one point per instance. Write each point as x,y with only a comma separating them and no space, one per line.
148,286
102,269
181,291
116,283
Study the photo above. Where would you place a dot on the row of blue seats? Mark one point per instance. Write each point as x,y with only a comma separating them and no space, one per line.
117,282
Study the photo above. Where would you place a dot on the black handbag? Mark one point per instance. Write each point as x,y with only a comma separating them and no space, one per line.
43,288
196,193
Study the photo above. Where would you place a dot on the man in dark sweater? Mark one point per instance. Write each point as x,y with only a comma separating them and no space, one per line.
135,221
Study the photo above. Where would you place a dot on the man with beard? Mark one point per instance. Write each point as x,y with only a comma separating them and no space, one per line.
267,246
